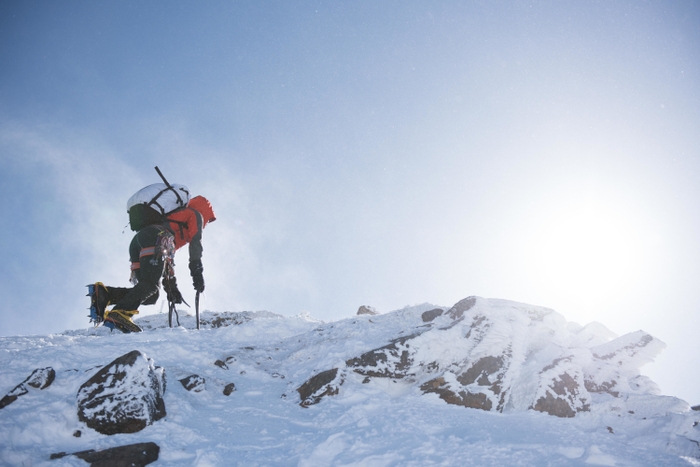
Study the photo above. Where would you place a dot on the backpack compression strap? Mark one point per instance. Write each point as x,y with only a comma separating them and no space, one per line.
168,186
154,201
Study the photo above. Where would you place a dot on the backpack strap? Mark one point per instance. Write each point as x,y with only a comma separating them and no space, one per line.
184,225
181,226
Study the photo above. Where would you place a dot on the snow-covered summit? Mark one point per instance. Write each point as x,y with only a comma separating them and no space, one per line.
398,388
505,356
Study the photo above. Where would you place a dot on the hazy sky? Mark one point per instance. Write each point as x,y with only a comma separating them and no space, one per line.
381,153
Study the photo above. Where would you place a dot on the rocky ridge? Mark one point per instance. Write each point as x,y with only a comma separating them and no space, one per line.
495,355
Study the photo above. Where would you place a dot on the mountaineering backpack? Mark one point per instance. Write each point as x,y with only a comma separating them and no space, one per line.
188,221
151,204
170,205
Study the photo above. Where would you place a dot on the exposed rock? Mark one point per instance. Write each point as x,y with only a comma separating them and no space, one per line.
462,306
465,398
478,386
124,396
221,364
562,398
221,320
224,321
132,455
391,361
487,374
604,387
194,383
430,315
229,388
41,378
326,383
480,372
367,310
552,405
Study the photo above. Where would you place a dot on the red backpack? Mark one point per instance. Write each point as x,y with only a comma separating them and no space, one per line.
189,221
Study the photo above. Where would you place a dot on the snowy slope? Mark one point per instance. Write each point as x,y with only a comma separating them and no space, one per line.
389,411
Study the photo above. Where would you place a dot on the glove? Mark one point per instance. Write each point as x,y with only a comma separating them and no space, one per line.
196,270
171,290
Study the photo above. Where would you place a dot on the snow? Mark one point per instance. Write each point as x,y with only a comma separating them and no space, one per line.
383,422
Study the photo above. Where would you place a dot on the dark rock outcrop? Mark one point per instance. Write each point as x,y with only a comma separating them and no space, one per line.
41,378
367,310
604,387
326,383
461,307
562,398
390,361
465,398
193,383
430,315
478,385
229,389
132,455
124,396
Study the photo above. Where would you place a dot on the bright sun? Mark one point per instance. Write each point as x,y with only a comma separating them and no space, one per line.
587,247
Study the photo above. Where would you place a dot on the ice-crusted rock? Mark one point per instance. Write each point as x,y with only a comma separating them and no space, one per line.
506,356
193,383
125,396
392,360
41,378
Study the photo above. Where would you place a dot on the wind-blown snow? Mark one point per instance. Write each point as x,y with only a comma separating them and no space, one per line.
383,422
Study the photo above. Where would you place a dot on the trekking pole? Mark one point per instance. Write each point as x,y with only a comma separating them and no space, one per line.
196,307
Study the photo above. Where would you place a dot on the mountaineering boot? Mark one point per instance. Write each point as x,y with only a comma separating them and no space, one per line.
99,300
121,319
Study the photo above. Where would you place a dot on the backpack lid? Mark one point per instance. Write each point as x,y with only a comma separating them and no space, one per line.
161,197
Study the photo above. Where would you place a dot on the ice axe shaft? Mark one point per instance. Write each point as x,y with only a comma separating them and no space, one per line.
163,177
196,307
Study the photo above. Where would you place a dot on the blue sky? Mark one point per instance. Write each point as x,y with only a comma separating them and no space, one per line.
376,153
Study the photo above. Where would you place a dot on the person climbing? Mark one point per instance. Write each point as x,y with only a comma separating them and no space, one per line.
164,219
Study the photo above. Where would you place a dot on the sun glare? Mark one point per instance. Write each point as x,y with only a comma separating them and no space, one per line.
587,247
